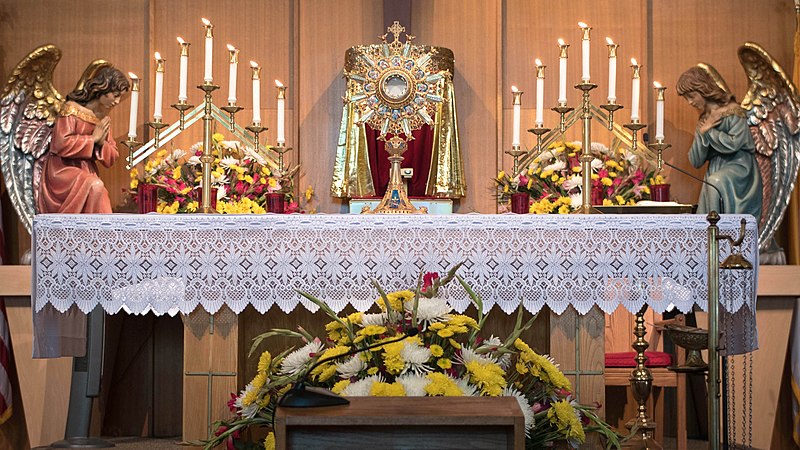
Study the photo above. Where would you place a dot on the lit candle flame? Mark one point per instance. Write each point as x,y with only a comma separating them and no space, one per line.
231,48
561,42
133,76
514,89
583,25
158,56
206,22
181,41
538,62
633,62
253,64
610,42
278,83
656,84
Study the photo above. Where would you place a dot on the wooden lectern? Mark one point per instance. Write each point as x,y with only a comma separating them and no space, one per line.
405,422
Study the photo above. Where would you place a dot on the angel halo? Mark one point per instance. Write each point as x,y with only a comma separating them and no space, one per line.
34,117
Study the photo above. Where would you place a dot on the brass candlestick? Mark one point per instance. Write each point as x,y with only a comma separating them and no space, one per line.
659,148
157,125
208,88
539,131
562,109
132,145
256,129
232,109
634,126
516,152
611,107
586,144
182,106
280,149
641,384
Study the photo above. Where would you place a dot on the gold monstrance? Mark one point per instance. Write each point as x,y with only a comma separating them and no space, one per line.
396,89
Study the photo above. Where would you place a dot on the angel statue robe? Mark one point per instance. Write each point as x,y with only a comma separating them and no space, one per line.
732,167
69,178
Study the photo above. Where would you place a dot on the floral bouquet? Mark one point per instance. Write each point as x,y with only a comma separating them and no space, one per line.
618,177
448,357
240,175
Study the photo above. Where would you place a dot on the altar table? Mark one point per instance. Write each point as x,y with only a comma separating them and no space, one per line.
176,264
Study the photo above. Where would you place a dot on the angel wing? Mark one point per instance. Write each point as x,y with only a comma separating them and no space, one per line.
773,113
28,108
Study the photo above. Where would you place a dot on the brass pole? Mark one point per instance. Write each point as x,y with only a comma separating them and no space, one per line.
586,154
207,157
713,331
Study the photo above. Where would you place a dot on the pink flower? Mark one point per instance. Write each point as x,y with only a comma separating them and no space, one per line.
603,173
638,176
231,403
428,279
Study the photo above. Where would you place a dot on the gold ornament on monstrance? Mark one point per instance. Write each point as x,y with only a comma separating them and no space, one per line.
396,87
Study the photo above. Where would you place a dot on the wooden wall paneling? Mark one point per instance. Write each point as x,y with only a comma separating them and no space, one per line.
474,41
686,32
326,30
95,29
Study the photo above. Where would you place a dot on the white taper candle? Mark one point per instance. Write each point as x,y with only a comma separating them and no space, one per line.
562,72
184,71
207,73
517,103
539,93
256,92
635,95
612,71
281,111
232,73
585,48
159,87
134,106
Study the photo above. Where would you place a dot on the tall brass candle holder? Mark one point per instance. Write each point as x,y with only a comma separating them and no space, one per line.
208,88
562,109
539,131
611,108
641,384
586,146
634,126
659,148
132,145
280,149
182,106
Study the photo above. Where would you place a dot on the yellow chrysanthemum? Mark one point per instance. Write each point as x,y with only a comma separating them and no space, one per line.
606,181
264,361
442,385
218,137
563,416
134,183
436,350
309,193
620,200
387,390
607,202
269,441
487,376
444,363
340,386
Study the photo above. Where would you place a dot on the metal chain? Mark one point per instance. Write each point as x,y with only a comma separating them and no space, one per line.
732,394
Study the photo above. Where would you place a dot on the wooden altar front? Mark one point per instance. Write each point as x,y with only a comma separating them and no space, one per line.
245,269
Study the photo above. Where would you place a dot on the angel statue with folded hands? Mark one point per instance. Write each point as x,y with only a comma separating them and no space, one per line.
752,148
50,147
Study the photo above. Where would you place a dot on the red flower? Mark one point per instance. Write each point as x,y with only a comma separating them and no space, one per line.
428,279
231,402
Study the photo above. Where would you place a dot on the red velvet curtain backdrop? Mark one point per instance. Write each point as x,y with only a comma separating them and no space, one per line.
417,157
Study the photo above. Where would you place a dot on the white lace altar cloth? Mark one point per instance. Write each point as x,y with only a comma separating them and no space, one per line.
170,264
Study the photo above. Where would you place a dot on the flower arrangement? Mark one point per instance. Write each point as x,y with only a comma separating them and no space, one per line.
448,357
241,176
554,177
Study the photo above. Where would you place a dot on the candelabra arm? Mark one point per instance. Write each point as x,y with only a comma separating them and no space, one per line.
232,109
515,152
132,144
611,108
659,148
562,109
182,107
157,125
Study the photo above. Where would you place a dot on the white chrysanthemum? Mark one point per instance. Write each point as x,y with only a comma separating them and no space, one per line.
491,345
467,389
250,410
351,367
545,156
597,164
222,192
373,319
431,310
228,161
468,355
527,409
230,145
415,356
361,388
414,384
599,148
632,158
254,155
197,146
297,360
572,182
576,200
558,165
174,156
193,161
